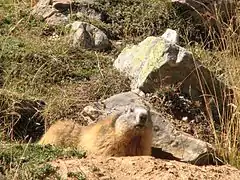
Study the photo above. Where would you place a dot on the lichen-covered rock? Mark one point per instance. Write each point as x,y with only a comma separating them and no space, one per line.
156,63
88,36
144,62
165,137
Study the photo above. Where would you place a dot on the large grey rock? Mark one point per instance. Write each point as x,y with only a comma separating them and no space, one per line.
157,63
166,138
145,62
88,36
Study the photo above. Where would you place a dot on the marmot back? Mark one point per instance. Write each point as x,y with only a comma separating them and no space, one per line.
62,133
127,133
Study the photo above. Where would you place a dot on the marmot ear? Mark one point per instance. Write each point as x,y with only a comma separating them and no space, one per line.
115,116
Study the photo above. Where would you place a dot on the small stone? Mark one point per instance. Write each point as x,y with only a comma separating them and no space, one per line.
185,118
88,36
171,36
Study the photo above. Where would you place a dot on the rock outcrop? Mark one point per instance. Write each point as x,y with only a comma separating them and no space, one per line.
166,138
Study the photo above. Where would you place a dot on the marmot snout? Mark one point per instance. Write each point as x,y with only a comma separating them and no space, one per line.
135,120
127,133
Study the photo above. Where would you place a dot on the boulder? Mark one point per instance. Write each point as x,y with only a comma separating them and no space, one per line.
88,36
157,63
166,138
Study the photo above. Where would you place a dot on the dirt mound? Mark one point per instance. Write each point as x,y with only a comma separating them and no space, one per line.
141,168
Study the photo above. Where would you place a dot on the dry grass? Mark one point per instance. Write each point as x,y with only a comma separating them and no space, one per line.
223,59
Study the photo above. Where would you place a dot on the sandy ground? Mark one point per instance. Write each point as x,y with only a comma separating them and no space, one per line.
142,168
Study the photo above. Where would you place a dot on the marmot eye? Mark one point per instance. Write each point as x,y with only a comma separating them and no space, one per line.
131,109
142,118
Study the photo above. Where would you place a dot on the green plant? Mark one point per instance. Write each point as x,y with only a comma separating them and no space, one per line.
26,161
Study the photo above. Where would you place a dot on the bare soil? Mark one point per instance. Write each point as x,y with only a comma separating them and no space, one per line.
141,168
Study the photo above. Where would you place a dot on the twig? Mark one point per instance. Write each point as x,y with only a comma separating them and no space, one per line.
99,65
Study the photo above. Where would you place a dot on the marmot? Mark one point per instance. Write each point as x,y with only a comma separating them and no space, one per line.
128,133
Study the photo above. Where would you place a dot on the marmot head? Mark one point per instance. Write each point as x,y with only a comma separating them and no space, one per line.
135,120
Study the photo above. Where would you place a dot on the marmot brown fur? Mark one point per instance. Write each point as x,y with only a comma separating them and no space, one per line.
123,134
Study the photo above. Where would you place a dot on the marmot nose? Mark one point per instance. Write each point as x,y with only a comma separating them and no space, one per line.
142,119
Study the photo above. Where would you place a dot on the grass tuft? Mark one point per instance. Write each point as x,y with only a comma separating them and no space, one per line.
29,161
